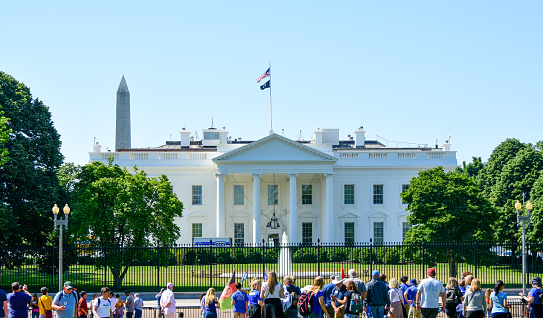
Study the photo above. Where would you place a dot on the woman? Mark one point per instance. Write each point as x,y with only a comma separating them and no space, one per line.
272,292
454,297
210,304
396,299
536,309
119,307
34,306
499,301
474,300
318,302
346,301
255,302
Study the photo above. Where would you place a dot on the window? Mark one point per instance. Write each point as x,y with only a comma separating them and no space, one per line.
378,232
211,135
405,227
377,194
273,194
307,233
349,232
405,187
307,194
196,195
239,234
348,194
196,229
239,195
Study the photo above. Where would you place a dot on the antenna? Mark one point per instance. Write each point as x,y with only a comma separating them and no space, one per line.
170,137
449,139
300,135
211,122
436,143
94,140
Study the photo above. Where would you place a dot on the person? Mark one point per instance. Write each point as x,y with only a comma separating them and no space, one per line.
474,300
35,308
454,297
83,307
129,303
157,297
271,293
210,304
462,286
499,301
396,299
138,306
468,280
410,296
290,289
101,306
383,278
167,302
487,300
91,312
77,298
119,307
327,290
18,301
239,301
255,302
428,295
113,301
360,286
318,300
298,290
378,299
536,308
45,302
403,288
337,294
350,285
64,302
202,295
3,304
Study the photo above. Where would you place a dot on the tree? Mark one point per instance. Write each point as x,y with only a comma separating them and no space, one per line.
472,169
4,138
114,208
29,184
535,230
447,207
517,177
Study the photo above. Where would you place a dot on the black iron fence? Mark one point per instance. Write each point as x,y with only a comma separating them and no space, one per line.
196,268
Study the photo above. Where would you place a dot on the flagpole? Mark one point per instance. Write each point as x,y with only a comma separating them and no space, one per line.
271,116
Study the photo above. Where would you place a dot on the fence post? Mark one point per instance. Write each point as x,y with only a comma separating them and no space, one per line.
210,263
423,259
475,260
319,256
371,255
158,267
263,261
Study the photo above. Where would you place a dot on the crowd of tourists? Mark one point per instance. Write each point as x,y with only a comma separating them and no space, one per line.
339,297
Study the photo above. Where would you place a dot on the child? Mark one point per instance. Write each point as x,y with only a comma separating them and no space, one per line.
119,307
487,298
255,302
239,301
35,307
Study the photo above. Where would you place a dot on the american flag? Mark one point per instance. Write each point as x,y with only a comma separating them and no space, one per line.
266,74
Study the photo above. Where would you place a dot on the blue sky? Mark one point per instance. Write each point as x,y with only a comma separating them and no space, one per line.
412,71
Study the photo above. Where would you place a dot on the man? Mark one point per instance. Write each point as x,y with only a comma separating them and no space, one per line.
3,304
83,307
428,295
64,302
338,293
298,290
377,298
138,306
327,290
360,286
18,301
129,303
167,302
44,303
101,307
410,295
403,288
112,301
157,297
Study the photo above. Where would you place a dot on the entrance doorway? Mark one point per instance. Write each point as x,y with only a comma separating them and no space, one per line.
273,239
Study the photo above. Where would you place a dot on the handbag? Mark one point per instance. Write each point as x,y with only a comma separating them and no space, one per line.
48,313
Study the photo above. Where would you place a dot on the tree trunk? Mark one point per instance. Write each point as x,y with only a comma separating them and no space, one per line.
117,279
453,265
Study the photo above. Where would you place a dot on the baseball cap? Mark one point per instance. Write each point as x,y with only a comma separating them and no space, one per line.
375,273
68,285
413,282
431,271
169,285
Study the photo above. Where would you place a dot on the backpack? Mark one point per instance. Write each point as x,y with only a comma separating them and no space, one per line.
356,306
540,296
305,304
451,296
98,301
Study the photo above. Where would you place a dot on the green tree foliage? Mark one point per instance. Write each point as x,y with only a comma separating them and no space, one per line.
4,138
29,184
517,176
473,168
447,207
535,231
114,208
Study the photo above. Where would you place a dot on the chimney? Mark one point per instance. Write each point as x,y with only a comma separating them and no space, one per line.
446,146
318,136
96,147
185,138
122,132
359,138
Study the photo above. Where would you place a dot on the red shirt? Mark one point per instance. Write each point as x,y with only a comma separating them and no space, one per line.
82,304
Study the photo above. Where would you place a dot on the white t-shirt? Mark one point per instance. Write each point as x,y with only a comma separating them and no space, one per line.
276,291
103,307
168,297
431,289
113,303
394,295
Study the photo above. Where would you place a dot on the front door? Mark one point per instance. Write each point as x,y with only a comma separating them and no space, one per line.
273,239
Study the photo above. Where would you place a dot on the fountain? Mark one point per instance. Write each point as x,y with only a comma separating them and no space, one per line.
285,259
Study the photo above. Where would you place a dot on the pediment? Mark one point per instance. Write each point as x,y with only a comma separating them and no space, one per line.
275,148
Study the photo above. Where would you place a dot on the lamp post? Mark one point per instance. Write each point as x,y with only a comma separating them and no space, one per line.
60,222
524,219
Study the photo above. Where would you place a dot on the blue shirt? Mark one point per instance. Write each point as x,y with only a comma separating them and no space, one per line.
316,307
327,290
66,300
254,297
3,298
411,294
339,293
18,304
497,302
534,292
210,307
462,289
404,288
240,301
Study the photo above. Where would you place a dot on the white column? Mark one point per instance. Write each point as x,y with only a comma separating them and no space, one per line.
220,205
256,208
329,210
293,225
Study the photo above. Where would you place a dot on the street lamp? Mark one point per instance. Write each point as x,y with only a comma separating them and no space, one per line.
524,219
60,222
